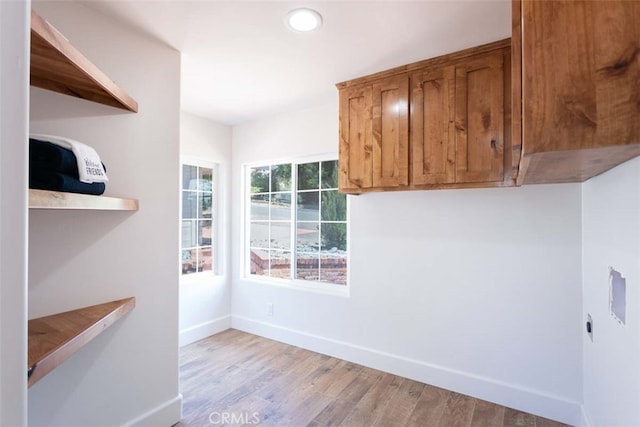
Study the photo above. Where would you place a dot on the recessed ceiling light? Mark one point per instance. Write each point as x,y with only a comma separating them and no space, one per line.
303,20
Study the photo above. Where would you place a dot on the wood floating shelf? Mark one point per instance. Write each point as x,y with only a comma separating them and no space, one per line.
58,66
45,199
53,339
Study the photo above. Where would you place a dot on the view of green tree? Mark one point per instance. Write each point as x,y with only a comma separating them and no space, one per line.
330,174
333,206
281,177
308,176
260,180
334,236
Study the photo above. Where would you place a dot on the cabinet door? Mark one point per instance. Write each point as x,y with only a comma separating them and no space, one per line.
355,139
580,87
479,119
391,132
432,142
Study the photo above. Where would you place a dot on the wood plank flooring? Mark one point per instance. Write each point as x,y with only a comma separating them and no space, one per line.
235,378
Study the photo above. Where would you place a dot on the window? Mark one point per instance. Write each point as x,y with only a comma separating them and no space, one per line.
297,222
196,245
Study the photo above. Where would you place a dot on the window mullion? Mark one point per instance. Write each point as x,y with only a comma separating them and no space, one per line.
294,220
197,217
269,248
319,221
247,223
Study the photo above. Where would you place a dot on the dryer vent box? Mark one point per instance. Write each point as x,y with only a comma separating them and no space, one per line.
617,295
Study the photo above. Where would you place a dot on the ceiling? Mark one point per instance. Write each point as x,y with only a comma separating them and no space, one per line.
240,63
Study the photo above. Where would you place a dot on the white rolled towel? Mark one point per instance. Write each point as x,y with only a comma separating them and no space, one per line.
90,167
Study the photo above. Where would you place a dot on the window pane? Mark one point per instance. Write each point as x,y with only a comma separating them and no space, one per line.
205,179
308,206
204,259
330,174
189,199
259,262
204,207
280,264
204,233
334,206
189,177
280,235
259,235
334,237
189,234
260,207
281,177
319,221
308,176
260,180
333,268
281,206
189,261
307,237
307,266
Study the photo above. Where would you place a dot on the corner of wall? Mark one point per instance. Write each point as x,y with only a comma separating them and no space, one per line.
611,238
14,113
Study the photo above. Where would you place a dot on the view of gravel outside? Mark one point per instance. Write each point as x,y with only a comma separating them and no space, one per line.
196,237
314,221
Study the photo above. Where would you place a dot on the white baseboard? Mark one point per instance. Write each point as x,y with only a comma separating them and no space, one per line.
510,395
166,414
203,330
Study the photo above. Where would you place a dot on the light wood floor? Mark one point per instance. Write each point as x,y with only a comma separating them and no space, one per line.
257,380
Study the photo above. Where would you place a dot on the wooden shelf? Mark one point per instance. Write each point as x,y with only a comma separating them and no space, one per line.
53,339
58,66
45,199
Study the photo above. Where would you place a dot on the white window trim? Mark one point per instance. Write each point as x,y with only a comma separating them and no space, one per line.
217,260
295,284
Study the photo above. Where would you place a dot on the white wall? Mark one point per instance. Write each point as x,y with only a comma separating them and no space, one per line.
128,374
477,291
611,238
14,75
205,300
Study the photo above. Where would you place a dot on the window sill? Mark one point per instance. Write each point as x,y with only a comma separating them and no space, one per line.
200,278
302,285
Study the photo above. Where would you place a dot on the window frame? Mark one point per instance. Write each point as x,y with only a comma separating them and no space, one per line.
291,283
215,223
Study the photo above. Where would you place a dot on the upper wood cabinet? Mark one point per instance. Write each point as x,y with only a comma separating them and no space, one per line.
579,65
438,123
374,135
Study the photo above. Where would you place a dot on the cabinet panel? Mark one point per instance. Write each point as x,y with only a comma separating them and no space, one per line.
617,57
558,85
432,143
355,139
391,132
479,119
580,87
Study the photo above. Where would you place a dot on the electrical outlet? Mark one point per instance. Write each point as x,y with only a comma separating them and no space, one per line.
269,309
